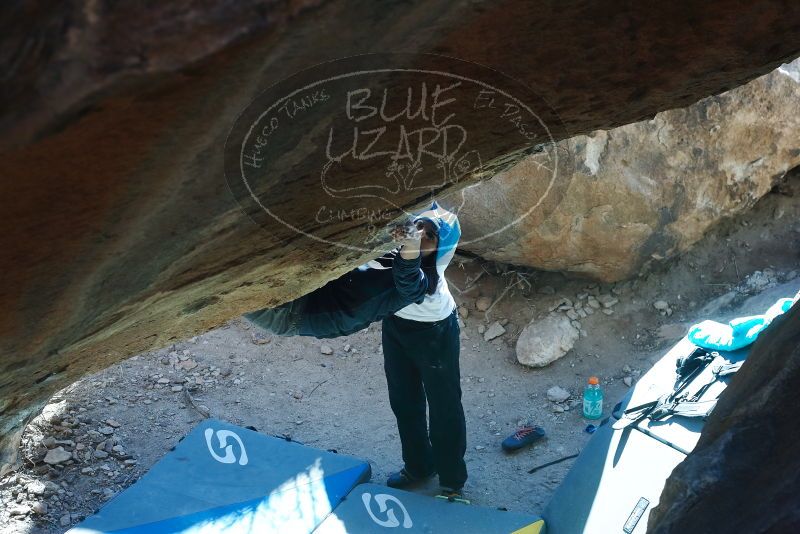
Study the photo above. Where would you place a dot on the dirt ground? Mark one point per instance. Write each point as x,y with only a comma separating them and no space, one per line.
134,412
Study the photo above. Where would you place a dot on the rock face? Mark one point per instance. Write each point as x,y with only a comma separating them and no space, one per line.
749,441
545,340
119,233
642,192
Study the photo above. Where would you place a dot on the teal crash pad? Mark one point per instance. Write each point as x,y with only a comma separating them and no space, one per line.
373,509
223,478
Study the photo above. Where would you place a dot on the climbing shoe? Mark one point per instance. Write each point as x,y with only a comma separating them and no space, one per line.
403,479
525,435
452,495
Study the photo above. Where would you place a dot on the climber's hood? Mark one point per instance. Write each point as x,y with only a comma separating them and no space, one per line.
449,231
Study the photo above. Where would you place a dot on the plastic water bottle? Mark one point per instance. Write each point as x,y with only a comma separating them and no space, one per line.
593,399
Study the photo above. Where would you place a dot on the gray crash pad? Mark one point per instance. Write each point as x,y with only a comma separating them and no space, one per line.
681,433
620,474
615,473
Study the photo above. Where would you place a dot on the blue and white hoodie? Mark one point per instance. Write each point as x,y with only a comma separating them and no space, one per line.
440,304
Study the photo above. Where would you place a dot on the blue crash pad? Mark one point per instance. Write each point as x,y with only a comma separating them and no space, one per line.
222,479
374,509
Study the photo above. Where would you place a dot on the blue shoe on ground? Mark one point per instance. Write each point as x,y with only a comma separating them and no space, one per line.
525,435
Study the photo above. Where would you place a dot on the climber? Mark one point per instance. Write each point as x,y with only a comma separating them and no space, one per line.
406,289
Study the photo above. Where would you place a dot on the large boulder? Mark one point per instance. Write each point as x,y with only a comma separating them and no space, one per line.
643,192
119,233
744,473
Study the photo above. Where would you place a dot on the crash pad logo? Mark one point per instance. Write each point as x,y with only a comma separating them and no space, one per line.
368,140
388,518
222,439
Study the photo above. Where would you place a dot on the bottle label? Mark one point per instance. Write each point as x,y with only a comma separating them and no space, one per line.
592,408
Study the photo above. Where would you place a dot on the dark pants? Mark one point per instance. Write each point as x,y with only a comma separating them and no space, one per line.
421,362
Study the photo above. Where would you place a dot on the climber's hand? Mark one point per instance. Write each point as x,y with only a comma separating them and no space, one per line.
403,234
409,238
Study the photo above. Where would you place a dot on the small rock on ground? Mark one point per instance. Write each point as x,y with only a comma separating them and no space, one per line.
495,330
557,394
57,456
483,303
